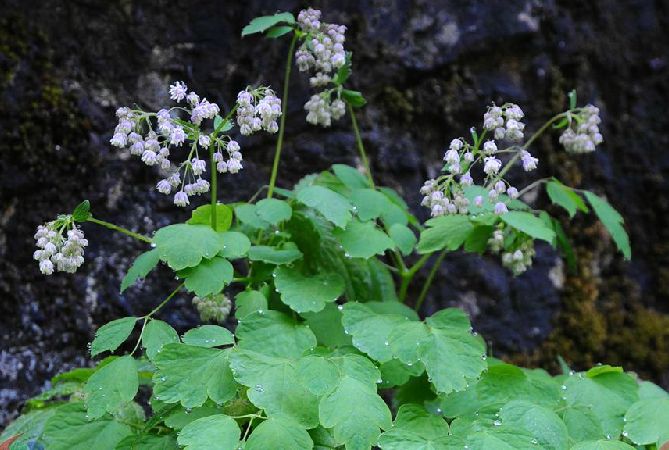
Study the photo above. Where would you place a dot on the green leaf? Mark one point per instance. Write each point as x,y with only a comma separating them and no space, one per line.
564,245
353,98
609,394
110,335
208,336
111,387
274,334
202,216
274,255
184,245
371,330
582,424
572,98
273,386
355,426
344,72
190,375
613,222
369,203
148,442
273,211
415,429
403,237
70,429
477,240
530,225
82,212
248,215
327,327
140,268
278,31
451,354
279,433
350,176
497,437
602,445
542,423
235,245
647,422
248,302
156,334
218,432
260,24
209,277
363,240
28,426
334,207
445,232
307,293
182,417
565,197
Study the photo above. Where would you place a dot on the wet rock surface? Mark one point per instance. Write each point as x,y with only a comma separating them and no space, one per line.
427,68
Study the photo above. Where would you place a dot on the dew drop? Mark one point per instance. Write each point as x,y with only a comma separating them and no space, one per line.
347,255
386,343
340,307
497,423
153,245
259,388
439,410
379,381
260,311
484,357
163,378
564,387
625,433
534,441
571,373
608,436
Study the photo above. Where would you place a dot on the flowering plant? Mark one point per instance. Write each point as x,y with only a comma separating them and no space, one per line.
328,350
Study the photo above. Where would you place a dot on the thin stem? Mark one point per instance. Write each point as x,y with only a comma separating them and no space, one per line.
214,186
532,185
125,231
150,314
408,274
361,147
430,277
529,142
282,125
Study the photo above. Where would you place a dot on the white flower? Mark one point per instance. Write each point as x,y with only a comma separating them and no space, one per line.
198,166
478,200
491,165
149,157
456,144
529,162
177,136
489,147
46,267
164,186
232,146
512,192
466,179
452,156
222,166
178,91
181,199
500,208
500,186
119,140
204,140
513,111
234,165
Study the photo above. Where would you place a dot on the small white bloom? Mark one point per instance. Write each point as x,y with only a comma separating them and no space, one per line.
204,140
178,91
478,200
500,208
452,156
489,147
512,192
456,144
164,186
198,166
466,179
491,165
177,136
529,162
181,199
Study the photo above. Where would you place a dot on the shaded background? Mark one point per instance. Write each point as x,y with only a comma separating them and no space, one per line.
427,68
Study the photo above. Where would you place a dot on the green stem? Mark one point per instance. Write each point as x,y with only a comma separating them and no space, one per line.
282,124
529,142
361,147
428,282
214,186
153,311
408,274
125,231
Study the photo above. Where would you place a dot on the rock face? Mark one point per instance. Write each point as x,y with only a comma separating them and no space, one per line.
427,68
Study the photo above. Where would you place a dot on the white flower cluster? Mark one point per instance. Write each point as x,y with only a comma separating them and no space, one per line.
519,260
214,308
322,53
505,122
582,136
321,109
57,252
258,110
150,136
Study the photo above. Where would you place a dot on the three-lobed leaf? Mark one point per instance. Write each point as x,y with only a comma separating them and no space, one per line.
303,293
333,206
208,336
183,245
209,277
202,216
445,232
363,239
111,387
217,432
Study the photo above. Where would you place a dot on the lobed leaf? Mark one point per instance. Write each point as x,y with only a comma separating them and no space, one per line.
111,335
140,268
209,277
304,293
202,216
208,336
363,240
156,334
184,245
111,387
217,432
334,207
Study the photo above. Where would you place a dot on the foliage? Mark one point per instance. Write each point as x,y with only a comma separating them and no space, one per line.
327,352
